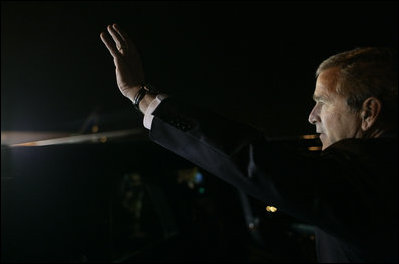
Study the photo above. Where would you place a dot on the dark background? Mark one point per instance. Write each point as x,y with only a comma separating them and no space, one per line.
251,61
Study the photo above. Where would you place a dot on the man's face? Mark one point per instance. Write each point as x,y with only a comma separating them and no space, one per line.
331,115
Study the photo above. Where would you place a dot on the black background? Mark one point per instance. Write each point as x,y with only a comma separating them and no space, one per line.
251,61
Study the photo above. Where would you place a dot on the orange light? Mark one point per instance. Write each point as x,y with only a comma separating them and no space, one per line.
94,129
316,148
310,136
271,209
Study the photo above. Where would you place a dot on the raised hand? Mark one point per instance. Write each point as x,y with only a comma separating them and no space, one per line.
128,66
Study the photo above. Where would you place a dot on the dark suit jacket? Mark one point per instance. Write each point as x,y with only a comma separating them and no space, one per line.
349,192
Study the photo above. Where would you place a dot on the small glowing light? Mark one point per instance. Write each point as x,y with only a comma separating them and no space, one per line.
310,136
316,148
198,177
271,209
190,176
103,139
251,226
201,190
94,129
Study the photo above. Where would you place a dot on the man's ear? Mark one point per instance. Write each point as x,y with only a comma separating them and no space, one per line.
371,109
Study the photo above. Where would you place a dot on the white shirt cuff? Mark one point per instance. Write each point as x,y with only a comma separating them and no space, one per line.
148,117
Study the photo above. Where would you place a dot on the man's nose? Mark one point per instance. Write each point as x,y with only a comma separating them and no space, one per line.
313,116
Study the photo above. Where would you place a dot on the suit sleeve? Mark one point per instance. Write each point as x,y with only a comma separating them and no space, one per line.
313,189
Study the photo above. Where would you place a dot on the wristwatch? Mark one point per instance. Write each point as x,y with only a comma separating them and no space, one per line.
144,89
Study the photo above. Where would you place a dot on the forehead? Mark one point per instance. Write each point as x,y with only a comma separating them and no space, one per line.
326,83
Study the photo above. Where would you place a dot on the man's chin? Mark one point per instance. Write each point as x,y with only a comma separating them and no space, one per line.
324,142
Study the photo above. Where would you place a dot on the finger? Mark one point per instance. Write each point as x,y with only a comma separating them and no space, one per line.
123,35
119,32
109,44
116,37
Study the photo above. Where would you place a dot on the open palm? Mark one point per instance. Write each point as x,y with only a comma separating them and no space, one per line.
128,66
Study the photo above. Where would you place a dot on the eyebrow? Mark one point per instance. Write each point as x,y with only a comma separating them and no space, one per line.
318,98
